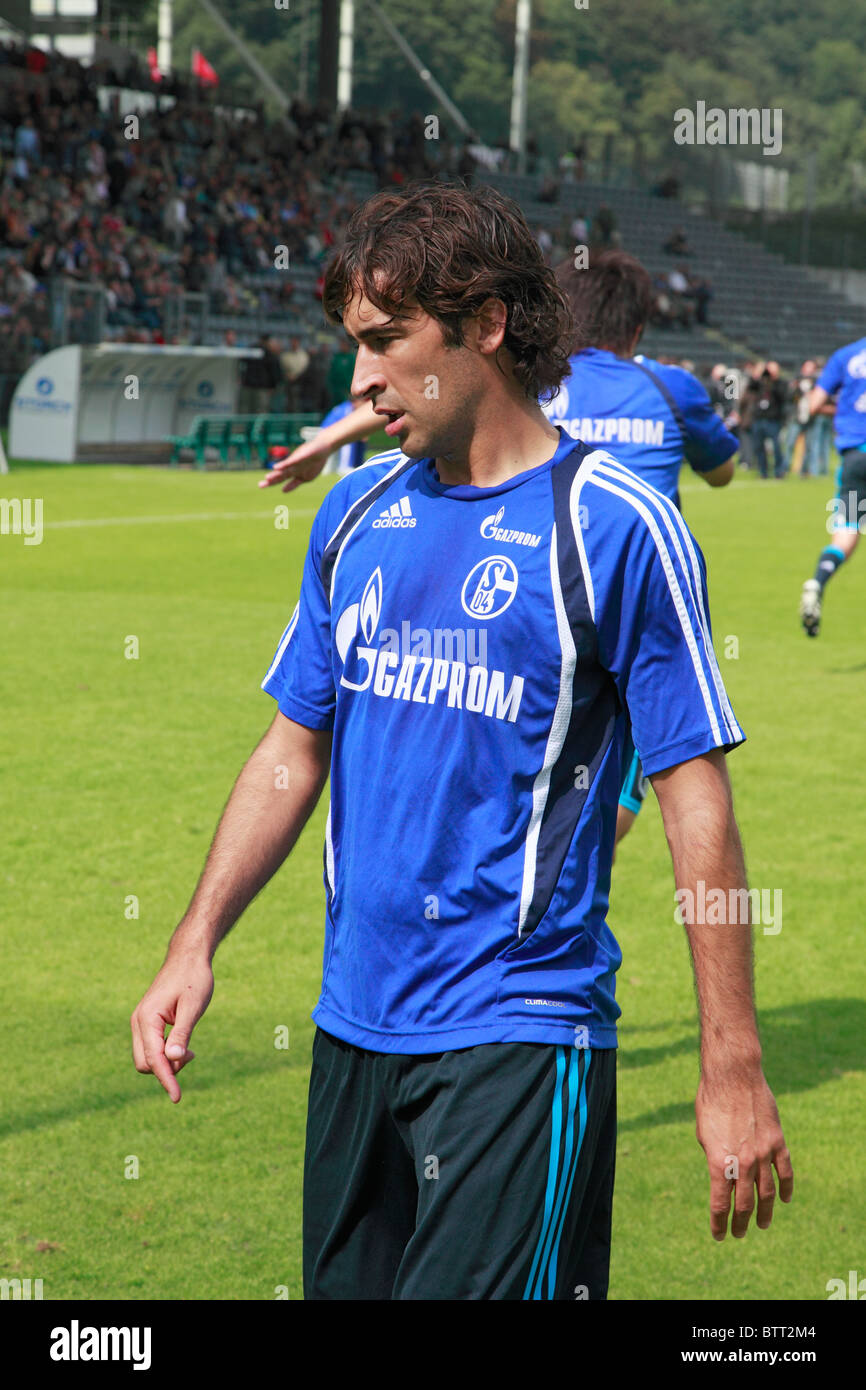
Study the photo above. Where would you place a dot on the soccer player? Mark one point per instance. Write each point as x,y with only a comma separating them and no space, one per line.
462,1112
844,377
650,414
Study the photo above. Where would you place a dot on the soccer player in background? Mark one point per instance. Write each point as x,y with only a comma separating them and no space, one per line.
462,1111
651,415
844,377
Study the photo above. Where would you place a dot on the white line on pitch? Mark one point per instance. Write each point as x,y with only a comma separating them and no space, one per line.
155,520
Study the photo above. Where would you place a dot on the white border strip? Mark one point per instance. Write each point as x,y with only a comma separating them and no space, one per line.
555,739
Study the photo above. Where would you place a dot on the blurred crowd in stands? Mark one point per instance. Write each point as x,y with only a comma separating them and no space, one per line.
200,198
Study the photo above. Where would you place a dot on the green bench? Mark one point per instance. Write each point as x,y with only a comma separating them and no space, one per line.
219,432
285,430
246,434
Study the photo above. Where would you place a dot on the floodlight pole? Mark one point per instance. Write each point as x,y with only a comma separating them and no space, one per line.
520,85
345,55
304,42
165,29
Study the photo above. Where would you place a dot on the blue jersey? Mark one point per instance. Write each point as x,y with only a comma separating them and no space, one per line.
650,415
845,373
348,455
477,652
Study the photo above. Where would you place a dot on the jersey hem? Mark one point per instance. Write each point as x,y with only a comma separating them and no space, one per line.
677,753
452,1039
300,713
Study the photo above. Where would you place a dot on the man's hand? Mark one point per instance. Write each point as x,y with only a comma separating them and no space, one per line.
307,461
178,997
261,822
302,465
738,1123
739,1131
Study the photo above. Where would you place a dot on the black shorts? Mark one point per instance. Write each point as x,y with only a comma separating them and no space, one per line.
850,512
481,1173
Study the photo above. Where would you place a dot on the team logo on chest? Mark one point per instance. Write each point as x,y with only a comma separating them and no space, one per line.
492,531
489,587
414,677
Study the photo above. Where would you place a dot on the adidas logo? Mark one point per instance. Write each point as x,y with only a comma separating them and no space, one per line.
399,514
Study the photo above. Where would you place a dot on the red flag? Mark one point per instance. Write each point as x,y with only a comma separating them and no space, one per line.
202,69
152,63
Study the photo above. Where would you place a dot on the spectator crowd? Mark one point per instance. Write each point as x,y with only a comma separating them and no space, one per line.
191,198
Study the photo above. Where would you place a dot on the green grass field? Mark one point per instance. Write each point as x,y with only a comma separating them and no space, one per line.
114,772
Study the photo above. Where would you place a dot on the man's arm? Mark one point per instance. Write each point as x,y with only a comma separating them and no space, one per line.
820,403
307,461
721,476
709,445
737,1120
270,803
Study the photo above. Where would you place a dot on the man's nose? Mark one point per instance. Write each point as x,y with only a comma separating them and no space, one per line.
368,379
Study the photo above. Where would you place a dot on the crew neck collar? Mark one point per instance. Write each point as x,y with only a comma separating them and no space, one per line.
467,493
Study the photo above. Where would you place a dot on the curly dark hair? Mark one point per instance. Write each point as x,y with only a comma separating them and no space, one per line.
449,248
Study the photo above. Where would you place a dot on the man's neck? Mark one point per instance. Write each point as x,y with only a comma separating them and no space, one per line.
504,442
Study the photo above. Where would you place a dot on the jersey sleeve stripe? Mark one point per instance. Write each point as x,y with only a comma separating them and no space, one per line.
678,531
284,642
676,594
730,718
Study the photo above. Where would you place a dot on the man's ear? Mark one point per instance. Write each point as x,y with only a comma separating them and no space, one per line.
487,327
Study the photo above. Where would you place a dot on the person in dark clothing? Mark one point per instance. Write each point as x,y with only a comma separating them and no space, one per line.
604,225
768,404
701,291
260,378
677,243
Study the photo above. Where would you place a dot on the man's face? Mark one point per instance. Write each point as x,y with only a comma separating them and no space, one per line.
426,392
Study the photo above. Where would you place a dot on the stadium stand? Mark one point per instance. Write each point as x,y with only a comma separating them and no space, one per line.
172,237
760,306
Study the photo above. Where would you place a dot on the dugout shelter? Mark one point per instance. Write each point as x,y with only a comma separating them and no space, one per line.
119,401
